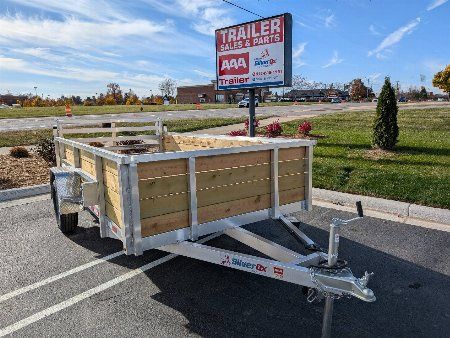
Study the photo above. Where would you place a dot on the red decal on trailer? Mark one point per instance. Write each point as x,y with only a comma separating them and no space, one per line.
279,272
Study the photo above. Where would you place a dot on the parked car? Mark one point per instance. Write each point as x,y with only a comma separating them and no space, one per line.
336,100
4,106
285,99
246,102
441,99
375,100
402,99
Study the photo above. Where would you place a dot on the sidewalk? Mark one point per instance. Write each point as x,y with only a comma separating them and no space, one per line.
262,123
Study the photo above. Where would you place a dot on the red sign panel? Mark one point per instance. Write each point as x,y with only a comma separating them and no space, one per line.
233,64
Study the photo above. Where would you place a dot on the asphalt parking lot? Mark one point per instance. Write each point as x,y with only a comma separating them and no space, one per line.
185,297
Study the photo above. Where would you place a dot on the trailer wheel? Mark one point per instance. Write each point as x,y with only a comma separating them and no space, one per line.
66,223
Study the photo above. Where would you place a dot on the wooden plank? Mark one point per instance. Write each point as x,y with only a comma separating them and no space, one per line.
110,180
68,151
291,153
207,179
164,223
113,214
110,166
232,192
86,166
205,163
88,156
291,196
162,168
112,197
163,186
163,205
88,130
177,220
232,208
291,167
116,139
291,181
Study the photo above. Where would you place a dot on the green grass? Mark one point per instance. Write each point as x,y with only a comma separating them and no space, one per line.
100,110
418,171
30,137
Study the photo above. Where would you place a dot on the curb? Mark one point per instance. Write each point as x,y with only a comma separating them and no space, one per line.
18,193
401,209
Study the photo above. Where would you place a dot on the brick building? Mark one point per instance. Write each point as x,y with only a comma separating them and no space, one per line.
208,93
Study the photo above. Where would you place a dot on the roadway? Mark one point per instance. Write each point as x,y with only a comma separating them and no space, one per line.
185,297
282,111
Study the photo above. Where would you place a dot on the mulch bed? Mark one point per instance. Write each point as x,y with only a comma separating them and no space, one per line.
22,172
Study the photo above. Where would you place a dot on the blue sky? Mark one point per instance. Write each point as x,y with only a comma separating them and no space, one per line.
77,47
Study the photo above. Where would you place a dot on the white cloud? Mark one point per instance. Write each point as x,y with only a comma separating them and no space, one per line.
435,3
330,21
334,60
395,37
373,30
42,53
101,10
374,76
203,73
207,14
297,54
434,66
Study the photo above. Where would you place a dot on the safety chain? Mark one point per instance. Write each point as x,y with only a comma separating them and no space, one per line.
320,287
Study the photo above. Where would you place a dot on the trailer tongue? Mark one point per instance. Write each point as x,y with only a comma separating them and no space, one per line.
164,191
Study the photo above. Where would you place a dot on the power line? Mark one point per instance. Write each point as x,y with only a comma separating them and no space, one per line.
244,9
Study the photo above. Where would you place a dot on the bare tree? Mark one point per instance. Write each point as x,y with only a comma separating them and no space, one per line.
168,87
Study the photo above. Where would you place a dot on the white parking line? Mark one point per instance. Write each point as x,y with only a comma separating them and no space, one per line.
59,276
89,293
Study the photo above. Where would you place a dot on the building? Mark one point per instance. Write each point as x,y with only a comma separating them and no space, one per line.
208,93
10,99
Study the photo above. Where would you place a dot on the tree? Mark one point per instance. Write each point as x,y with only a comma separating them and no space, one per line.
115,92
442,79
385,129
167,87
423,93
358,90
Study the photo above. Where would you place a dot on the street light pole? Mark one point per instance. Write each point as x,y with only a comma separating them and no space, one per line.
251,111
35,90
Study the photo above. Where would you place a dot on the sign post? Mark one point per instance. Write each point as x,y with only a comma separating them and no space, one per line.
255,54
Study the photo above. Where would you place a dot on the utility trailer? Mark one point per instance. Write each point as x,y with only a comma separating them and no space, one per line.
152,189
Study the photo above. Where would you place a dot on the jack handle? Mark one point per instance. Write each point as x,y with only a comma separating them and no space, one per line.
359,208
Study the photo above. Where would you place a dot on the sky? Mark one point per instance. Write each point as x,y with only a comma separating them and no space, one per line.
77,47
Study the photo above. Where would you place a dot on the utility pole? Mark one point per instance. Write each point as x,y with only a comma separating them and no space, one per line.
35,90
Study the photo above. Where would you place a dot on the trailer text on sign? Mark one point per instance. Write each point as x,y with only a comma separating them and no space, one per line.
255,54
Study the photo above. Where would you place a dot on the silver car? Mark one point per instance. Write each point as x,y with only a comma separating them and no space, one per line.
246,102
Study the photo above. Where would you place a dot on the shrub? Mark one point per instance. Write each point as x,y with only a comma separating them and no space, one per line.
304,128
274,129
96,144
46,149
385,128
19,152
255,123
242,132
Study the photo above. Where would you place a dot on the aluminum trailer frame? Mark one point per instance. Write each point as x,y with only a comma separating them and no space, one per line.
317,271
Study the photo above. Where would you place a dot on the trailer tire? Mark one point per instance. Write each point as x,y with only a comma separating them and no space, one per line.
66,223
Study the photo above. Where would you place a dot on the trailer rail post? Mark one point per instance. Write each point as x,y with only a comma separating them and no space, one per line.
275,210
135,210
193,219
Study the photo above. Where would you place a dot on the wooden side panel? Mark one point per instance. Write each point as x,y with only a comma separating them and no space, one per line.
227,185
87,166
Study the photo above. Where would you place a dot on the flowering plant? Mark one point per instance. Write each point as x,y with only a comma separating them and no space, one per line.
274,129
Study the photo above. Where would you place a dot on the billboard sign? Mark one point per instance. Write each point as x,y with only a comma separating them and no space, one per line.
255,54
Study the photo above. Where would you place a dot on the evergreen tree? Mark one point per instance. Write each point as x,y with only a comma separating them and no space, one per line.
385,129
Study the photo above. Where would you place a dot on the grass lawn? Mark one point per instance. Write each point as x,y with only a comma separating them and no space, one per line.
99,110
30,137
418,171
